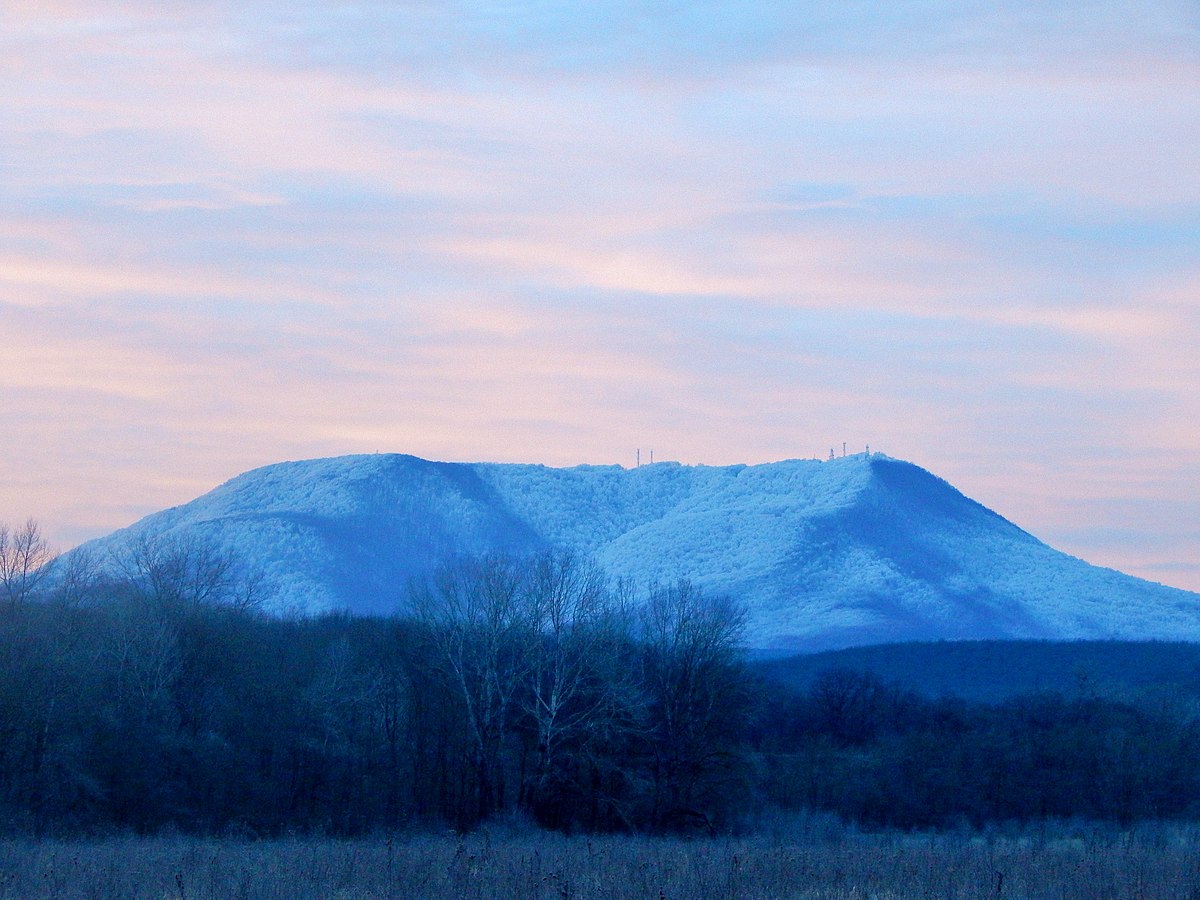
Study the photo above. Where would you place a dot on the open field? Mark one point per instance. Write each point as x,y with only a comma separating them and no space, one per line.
816,863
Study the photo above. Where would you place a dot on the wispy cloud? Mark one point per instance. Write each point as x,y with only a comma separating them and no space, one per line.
963,233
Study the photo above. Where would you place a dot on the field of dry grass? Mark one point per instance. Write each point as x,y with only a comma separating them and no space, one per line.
815,863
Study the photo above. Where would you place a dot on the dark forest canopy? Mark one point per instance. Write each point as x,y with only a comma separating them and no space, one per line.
994,671
532,686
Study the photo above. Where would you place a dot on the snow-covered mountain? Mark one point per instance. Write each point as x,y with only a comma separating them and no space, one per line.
830,554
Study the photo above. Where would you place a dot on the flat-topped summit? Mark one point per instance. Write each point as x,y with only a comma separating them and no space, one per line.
859,549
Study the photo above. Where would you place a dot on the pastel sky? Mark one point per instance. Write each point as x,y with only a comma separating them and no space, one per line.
964,233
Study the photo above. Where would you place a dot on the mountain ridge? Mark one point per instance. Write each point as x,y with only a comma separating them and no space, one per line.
850,551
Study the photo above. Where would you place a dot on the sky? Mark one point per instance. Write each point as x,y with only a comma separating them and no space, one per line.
963,233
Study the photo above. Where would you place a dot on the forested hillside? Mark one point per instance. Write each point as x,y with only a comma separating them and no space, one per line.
857,550
994,671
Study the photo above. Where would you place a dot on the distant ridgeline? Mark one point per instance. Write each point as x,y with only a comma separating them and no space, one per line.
997,671
851,551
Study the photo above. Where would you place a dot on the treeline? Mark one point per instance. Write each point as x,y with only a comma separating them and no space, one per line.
160,696
993,671
154,693
887,757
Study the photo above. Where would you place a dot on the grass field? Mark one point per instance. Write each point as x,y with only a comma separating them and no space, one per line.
806,862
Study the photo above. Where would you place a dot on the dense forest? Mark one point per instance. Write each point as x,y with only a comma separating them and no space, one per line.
998,670
153,692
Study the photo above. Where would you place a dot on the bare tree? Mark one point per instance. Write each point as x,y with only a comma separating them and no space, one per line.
475,615
694,676
25,560
252,591
577,693
852,707
177,569
77,577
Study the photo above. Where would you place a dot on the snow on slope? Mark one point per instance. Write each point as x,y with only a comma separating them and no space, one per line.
827,554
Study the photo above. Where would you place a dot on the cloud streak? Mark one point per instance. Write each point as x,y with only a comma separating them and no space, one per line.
232,234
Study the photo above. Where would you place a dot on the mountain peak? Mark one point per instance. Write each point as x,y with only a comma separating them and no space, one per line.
852,550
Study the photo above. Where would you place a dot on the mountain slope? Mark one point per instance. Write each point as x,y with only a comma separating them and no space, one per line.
827,554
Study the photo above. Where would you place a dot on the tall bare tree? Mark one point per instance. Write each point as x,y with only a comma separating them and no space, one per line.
693,673
477,618
177,569
577,691
25,560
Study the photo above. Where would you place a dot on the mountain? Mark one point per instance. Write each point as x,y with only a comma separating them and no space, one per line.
851,551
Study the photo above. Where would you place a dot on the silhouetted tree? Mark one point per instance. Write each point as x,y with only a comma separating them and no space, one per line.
579,699
696,684
478,621
25,560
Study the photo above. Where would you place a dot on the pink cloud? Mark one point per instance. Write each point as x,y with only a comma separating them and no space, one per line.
219,251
